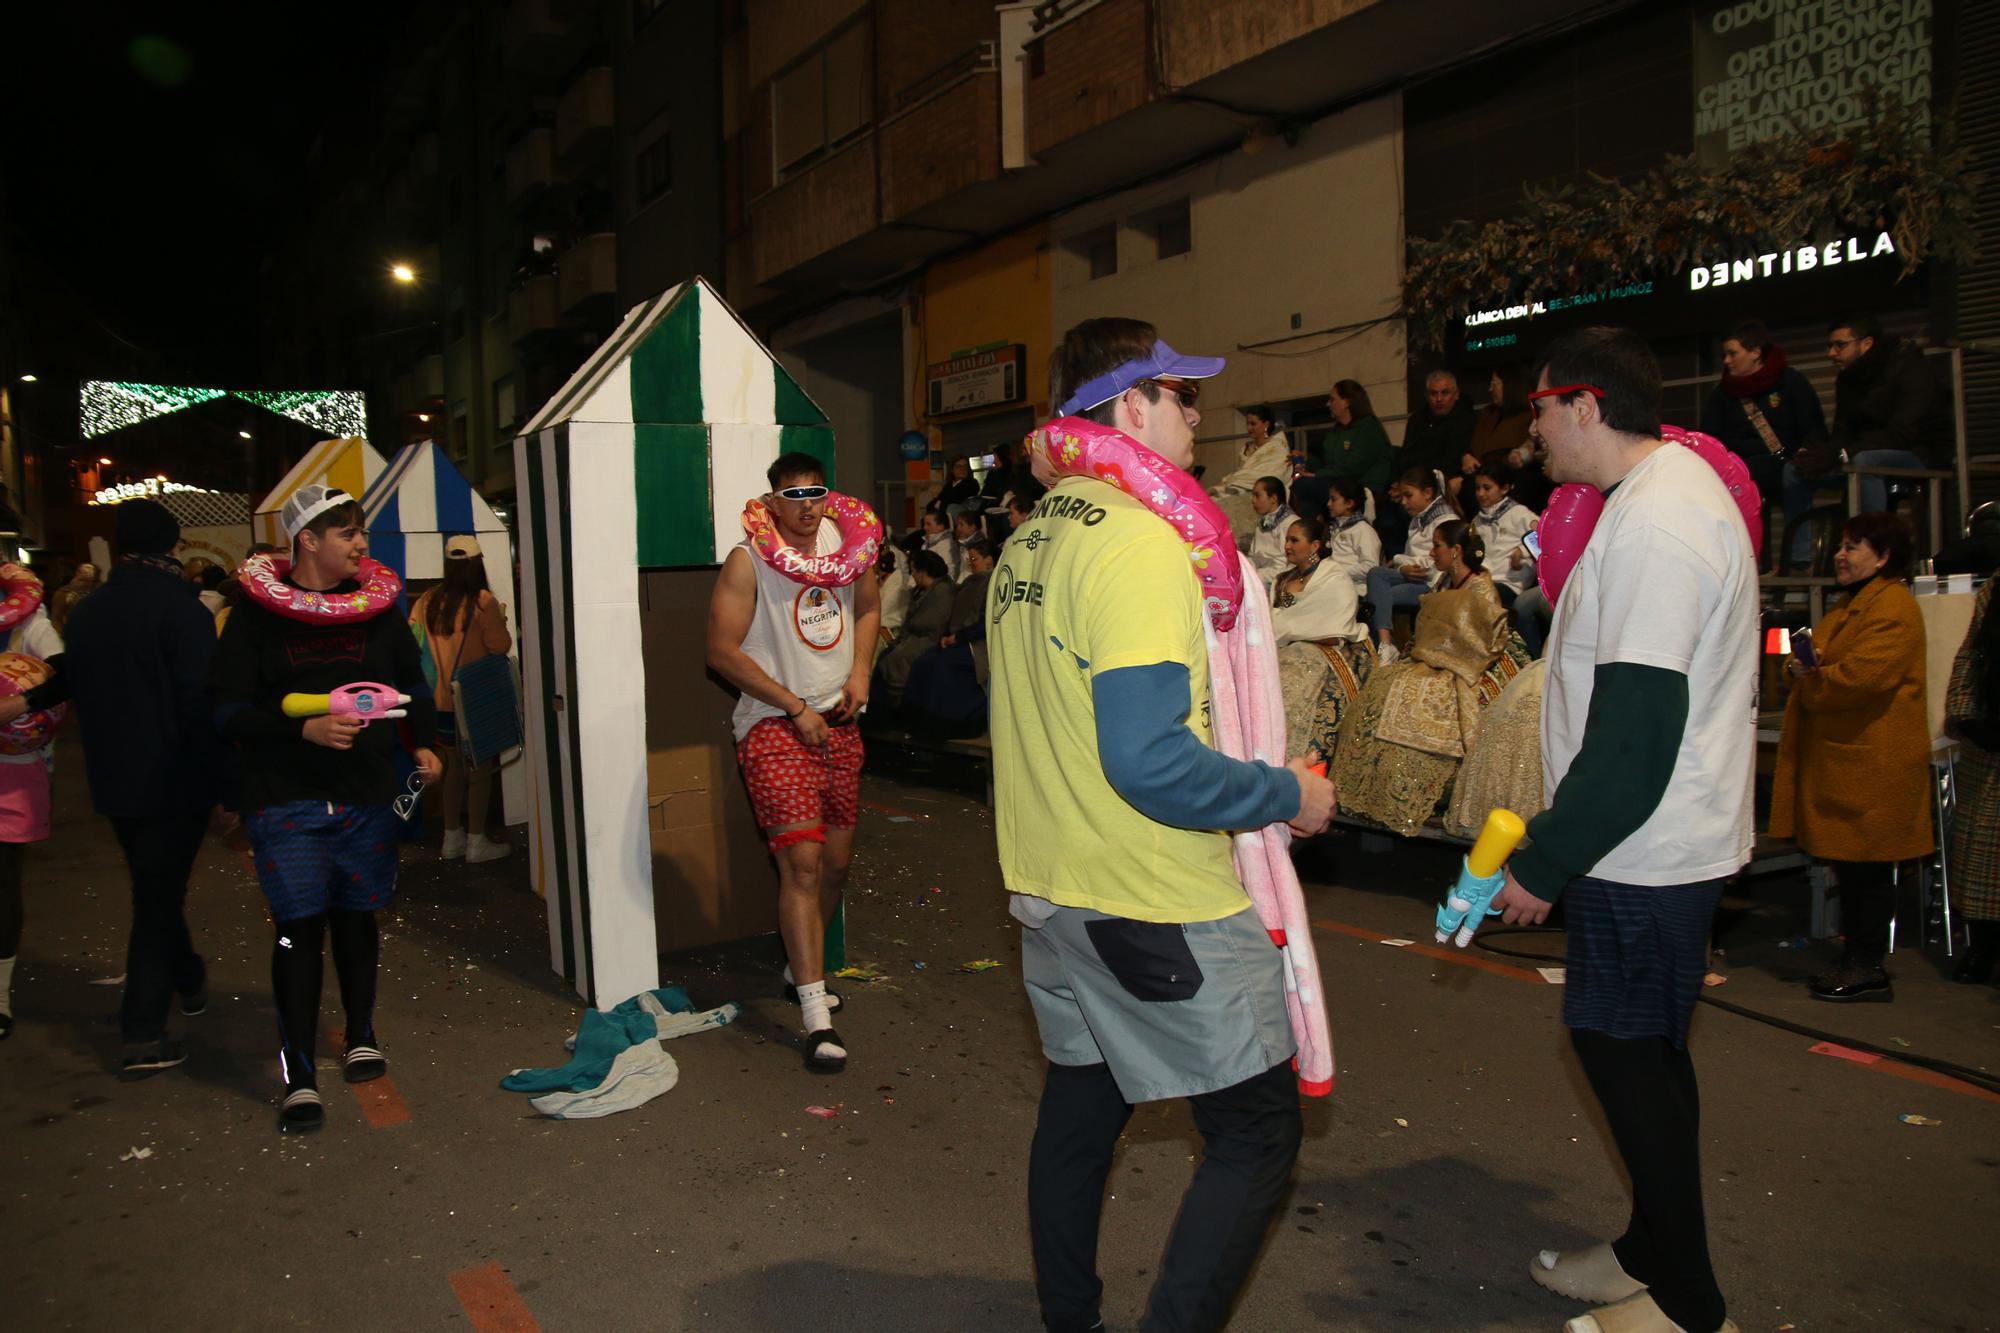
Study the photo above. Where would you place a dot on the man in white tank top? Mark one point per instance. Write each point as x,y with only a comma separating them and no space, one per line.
790,648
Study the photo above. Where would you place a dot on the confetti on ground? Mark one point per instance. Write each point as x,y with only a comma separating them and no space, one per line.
901,819
1555,976
1402,1123
823,1112
980,965
1903,1042
1398,944
866,972
141,1154
918,965
1918,1120
118,980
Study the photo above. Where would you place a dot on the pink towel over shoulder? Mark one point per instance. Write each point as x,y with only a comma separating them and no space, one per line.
1249,718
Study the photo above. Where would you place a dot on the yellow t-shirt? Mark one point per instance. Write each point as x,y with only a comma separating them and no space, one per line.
1094,581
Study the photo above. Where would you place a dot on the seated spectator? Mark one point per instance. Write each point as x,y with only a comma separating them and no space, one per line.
961,489
1354,547
940,543
1265,545
1310,601
1763,409
1887,412
1504,525
1417,717
946,691
1533,616
1410,575
1020,508
1436,438
1000,478
965,527
929,614
1853,776
1323,653
1263,455
1356,447
1499,428
892,587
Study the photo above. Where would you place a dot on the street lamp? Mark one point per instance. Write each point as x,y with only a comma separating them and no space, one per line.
28,379
104,462
244,434
402,273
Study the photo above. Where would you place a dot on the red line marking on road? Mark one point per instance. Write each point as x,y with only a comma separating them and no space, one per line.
1930,1078
381,1105
1456,956
488,1297
891,810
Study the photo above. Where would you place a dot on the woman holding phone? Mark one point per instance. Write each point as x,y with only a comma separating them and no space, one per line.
1852,785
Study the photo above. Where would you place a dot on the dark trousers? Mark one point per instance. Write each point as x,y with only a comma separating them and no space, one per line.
1647,1089
159,958
1867,904
1251,1133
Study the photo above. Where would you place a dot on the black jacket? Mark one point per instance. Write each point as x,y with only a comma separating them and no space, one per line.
264,656
137,657
1791,406
1890,400
1436,442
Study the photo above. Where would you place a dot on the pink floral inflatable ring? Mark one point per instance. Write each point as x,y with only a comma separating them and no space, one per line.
860,540
30,732
263,578
1075,447
20,594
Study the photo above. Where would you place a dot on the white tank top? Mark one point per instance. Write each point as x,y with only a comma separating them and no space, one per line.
801,635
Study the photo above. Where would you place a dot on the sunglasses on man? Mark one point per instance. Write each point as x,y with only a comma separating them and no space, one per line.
1560,391
1185,390
804,493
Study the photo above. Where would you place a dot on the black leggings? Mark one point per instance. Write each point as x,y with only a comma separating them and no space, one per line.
11,912
1867,905
296,971
1647,1089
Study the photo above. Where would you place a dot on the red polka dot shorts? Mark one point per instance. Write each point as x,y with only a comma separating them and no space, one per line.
791,782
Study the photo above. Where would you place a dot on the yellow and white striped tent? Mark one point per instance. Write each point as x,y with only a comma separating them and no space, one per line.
350,464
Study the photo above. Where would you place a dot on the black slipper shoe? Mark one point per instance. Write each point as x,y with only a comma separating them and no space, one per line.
825,1064
302,1112
834,1004
6,1025
362,1063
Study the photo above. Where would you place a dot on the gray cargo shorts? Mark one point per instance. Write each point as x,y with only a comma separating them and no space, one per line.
1173,1010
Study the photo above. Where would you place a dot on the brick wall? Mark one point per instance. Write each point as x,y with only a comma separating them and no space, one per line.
1203,37
947,144
915,37
821,208
1092,69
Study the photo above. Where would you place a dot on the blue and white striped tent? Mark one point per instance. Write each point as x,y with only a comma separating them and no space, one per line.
418,503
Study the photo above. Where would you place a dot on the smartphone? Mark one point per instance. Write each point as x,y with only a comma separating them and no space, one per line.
1533,541
1802,648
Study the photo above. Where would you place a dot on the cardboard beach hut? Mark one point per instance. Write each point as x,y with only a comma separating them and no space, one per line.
419,501
350,464
630,485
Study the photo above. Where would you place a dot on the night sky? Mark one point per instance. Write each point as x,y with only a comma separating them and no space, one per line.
149,151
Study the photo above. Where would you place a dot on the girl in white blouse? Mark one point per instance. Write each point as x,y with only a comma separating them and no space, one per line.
1413,573
1504,523
1352,545
1311,602
1266,543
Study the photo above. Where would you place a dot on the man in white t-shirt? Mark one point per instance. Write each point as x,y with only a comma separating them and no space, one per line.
1648,755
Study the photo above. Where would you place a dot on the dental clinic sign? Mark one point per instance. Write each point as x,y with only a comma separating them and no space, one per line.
1764,69
1803,259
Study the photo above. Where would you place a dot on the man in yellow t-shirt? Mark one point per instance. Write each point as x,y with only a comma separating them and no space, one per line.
1150,975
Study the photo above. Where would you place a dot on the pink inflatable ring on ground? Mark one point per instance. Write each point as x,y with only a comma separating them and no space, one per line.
860,540
263,578
20,594
1075,447
29,732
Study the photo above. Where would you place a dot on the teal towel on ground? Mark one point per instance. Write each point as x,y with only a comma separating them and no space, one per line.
600,1040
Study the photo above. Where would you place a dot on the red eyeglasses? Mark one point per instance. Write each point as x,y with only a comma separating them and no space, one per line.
1561,391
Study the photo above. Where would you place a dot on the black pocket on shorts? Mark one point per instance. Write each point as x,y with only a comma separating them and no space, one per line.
1151,959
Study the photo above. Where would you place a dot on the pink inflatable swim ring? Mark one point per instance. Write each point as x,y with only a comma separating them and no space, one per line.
263,578
1735,474
1075,447
20,594
860,540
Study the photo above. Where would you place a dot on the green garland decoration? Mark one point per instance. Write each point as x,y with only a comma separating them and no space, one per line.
1899,173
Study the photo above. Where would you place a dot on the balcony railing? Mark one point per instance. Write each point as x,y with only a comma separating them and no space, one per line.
584,117
588,274
531,309
531,164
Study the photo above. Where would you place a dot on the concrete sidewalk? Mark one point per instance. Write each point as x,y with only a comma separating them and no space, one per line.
1456,1144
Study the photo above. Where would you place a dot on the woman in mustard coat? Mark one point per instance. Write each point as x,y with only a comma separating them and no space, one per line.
1852,785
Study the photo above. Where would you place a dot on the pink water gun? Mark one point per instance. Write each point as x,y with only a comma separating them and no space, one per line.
364,701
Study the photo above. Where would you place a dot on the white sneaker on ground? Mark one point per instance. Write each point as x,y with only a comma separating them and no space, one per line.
481,848
454,844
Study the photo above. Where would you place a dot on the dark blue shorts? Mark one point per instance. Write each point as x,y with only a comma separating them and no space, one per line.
1636,956
314,857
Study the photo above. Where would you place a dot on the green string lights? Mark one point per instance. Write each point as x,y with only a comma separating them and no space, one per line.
108,405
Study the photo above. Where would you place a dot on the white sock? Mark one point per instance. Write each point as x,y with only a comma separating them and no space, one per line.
812,1007
7,987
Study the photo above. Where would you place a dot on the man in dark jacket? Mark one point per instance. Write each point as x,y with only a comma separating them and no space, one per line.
1437,437
139,653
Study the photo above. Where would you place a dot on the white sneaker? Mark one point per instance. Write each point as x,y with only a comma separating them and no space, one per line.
454,844
1387,653
483,848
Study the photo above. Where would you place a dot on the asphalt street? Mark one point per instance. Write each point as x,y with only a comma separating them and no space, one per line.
1458,1141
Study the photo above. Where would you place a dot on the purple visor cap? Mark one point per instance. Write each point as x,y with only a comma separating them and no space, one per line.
1164,363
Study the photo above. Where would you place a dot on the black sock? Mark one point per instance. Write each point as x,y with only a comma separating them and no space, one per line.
357,945
295,980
